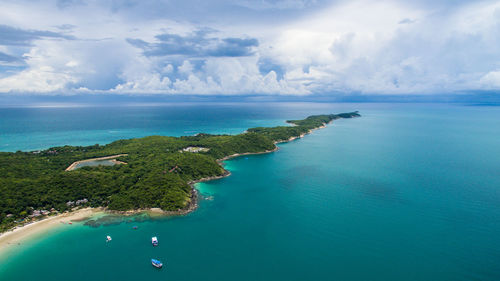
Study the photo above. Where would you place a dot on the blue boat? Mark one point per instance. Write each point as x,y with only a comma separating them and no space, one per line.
156,263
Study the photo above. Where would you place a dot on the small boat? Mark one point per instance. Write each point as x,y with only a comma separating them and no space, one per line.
70,223
156,263
108,238
154,241
135,227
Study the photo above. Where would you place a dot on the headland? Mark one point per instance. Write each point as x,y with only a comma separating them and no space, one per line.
159,177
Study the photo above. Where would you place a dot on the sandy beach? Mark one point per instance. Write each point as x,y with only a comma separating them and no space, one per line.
18,235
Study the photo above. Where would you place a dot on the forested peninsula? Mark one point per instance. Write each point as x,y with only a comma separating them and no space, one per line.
150,172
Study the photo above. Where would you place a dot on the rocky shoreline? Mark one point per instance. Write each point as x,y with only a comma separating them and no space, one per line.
193,204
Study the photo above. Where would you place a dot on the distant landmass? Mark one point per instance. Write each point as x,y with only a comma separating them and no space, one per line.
130,175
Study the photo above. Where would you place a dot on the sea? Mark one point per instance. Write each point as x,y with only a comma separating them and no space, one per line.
406,192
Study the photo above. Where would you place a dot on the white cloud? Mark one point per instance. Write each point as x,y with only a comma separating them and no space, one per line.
47,72
361,46
491,80
217,76
352,46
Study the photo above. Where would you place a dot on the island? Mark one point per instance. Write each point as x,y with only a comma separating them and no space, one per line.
154,172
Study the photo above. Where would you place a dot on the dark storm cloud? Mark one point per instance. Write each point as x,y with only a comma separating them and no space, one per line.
12,36
196,44
8,58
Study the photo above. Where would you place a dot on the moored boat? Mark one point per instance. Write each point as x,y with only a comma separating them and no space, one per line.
154,241
108,238
156,263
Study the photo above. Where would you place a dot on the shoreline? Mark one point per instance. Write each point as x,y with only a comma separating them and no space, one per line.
15,236
194,205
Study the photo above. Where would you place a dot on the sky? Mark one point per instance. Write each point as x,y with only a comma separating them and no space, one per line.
245,47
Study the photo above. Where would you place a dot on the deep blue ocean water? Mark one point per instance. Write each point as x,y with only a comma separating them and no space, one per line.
406,192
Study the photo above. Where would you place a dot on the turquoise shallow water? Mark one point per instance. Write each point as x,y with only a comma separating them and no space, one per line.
407,192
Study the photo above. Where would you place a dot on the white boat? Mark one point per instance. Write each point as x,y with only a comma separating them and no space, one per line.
108,238
154,241
156,263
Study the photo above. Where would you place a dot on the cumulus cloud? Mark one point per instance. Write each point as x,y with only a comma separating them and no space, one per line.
440,52
247,47
216,75
15,42
491,80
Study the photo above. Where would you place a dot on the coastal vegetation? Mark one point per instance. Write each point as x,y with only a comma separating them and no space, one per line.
158,171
